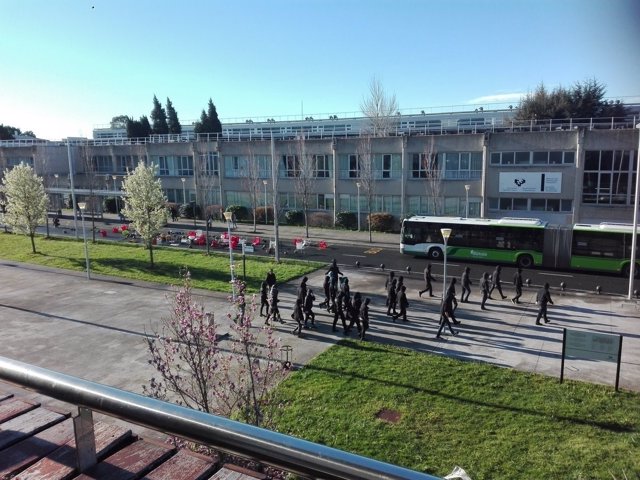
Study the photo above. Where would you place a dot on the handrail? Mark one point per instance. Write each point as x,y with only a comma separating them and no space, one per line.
281,451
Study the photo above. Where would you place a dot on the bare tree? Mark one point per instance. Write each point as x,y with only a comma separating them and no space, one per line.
305,180
207,178
379,108
431,171
366,175
91,182
251,181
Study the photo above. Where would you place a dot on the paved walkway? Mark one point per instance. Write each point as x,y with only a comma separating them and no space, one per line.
96,329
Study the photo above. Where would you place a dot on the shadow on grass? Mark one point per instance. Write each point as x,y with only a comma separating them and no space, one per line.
615,427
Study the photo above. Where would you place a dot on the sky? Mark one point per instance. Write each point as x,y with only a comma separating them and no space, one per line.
68,66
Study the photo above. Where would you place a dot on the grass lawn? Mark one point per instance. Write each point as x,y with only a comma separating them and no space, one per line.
131,261
494,422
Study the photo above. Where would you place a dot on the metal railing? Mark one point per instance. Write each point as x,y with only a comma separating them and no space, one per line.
304,458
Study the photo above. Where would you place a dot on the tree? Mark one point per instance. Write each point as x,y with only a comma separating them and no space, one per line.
209,121
26,201
305,180
430,169
145,203
379,108
200,373
92,183
252,182
583,100
366,176
9,133
138,128
119,121
159,124
172,119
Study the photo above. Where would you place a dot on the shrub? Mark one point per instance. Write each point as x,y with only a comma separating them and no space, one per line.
242,212
109,205
260,214
382,222
294,217
321,219
189,210
347,220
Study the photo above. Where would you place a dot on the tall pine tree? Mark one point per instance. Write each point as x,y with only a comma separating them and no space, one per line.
158,118
209,121
172,118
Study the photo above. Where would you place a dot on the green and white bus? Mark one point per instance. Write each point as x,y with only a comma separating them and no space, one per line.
605,247
518,241
526,242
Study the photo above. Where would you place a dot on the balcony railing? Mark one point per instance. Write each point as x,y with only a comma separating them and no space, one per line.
281,451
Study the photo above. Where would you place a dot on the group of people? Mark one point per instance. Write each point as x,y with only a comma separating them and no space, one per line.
338,300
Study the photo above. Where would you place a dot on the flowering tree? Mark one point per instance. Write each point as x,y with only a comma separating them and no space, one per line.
26,201
195,369
145,203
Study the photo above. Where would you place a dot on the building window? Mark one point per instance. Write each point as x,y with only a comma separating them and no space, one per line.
126,163
101,164
321,166
425,166
15,161
210,164
325,201
463,166
174,165
290,166
354,166
532,158
607,177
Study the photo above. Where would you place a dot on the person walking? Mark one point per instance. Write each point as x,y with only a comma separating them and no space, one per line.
338,313
517,282
451,292
364,317
484,288
326,286
354,312
387,285
333,268
428,278
446,312
466,285
264,299
297,316
302,290
496,282
403,304
542,299
391,298
308,309
274,311
271,278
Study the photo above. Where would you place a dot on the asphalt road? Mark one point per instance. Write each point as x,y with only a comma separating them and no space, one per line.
371,257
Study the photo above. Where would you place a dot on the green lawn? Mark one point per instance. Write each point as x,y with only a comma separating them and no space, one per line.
494,422
131,261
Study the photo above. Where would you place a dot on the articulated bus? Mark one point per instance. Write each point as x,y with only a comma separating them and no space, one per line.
525,242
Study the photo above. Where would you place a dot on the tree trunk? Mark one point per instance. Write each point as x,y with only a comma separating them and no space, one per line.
151,252
33,242
255,230
306,223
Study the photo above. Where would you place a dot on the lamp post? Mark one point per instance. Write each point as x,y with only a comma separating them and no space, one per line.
184,196
446,232
115,193
634,233
56,176
266,210
228,216
82,206
358,187
466,188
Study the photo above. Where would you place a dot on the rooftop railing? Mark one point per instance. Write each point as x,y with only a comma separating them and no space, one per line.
301,457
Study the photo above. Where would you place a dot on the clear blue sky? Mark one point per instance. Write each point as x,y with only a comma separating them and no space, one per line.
69,65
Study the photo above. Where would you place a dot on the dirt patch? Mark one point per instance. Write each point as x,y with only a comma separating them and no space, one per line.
388,415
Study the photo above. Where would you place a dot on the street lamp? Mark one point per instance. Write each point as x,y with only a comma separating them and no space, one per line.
266,210
56,176
82,206
446,232
184,195
228,216
467,187
358,187
115,192
634,233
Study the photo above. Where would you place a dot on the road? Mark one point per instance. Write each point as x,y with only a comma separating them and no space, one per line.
371,257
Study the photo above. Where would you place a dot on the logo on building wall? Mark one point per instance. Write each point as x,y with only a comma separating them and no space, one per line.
519,181
530,182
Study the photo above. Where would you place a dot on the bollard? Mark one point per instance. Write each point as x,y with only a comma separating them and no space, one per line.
563,286
636,293
357,263
528,282
382,266
408,269
598,289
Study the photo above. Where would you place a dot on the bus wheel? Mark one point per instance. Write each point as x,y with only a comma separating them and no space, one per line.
435,254
525,261
626,271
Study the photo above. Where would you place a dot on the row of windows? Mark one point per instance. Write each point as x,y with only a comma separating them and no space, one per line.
532,158
609,177
531,204
457,165
451,206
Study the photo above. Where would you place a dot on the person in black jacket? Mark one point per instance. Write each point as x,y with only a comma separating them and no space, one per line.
333,268
446,312
338,313
271,278
403,303
484,287
428,278
466,285
354,311
364,317
387,284
302,289
517,282
391,298
297,316
274,311
264,299
451,291
308,309
326,286
496,282
542,299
